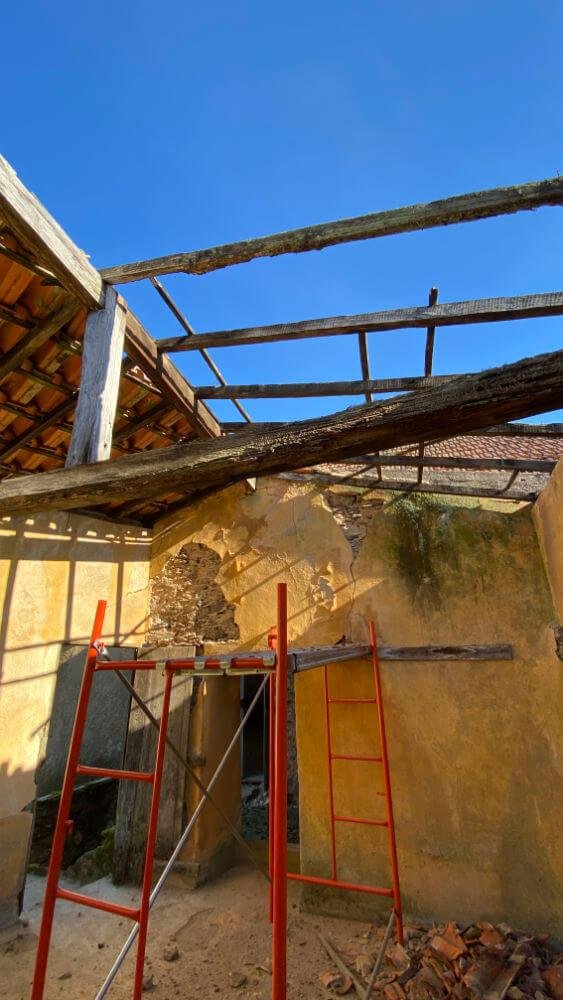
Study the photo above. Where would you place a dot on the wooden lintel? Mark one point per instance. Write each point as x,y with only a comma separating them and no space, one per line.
460,404
37,231
308,659
411,317
445,212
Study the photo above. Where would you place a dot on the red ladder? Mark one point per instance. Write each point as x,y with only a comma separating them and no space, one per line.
394,892
53,890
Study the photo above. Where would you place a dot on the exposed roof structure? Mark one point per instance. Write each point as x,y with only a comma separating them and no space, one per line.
48,287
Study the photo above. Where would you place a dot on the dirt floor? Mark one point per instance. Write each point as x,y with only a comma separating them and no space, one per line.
220,931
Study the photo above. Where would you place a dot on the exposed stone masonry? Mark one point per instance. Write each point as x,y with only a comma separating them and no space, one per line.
187,606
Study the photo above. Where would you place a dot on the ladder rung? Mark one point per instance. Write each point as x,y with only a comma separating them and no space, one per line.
353,701
98,904
112,772
337,884
366,822
352,756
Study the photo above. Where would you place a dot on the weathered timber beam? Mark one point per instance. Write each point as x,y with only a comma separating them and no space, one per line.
43,330
38,232
183,321
445,212
143,350
438,462
499,430
38,427
460,404
411,317
104,335
308,659
28,264
298,389
13,314
412,486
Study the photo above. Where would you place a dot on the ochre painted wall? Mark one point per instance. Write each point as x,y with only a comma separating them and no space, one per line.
53,569
548,518
476,748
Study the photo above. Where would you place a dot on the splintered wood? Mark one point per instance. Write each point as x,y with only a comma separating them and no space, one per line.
478,962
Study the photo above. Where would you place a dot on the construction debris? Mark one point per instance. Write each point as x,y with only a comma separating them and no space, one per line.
479,962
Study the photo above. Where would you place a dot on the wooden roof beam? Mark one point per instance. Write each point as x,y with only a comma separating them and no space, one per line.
143,351
498,430
287,390
408,486
445,212
461,404
37,231
411,317
430,462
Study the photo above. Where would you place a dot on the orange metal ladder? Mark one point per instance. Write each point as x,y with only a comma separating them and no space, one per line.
394,892
53,890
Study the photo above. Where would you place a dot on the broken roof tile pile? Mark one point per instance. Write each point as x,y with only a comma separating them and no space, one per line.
478,962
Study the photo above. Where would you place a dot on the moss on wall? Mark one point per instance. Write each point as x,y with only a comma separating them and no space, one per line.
476,748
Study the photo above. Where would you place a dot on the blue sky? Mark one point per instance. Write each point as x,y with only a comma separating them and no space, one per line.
147,129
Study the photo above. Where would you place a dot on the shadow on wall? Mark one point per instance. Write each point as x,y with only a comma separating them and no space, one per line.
53,569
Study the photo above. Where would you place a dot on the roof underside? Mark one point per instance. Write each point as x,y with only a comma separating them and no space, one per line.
42,323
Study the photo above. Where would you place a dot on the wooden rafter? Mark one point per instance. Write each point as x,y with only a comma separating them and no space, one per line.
37,231
460,208
190,332
411,317
462,404
143,350
41,331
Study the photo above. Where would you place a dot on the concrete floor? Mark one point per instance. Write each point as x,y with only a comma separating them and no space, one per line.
221,932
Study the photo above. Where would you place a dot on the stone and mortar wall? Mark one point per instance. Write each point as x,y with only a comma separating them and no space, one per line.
476,748
53,569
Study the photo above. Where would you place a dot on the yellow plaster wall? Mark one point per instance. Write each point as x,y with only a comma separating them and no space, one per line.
476,748
548,518
53,569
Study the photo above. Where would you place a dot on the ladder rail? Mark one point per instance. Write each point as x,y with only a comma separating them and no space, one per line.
395,892
387,785
61,826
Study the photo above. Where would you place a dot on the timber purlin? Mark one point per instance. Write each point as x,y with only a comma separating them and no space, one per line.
462,404
496,310
411,218
47,286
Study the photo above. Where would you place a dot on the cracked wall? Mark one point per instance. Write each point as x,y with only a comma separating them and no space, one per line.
476,749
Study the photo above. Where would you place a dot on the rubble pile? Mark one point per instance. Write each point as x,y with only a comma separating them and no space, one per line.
479,962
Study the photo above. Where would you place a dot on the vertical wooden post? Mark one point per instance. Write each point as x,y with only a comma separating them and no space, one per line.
366,374
99,383
428,361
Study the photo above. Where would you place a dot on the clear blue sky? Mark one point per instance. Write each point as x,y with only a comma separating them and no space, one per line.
150,128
